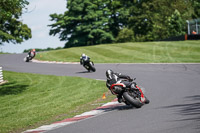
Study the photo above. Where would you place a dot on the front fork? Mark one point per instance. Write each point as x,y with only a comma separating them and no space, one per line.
142,98
137,93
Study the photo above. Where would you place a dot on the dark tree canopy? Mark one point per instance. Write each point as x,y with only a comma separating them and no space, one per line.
11,28
90,22
84,23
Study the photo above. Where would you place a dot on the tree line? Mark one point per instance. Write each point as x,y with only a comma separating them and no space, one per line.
42,50
91,22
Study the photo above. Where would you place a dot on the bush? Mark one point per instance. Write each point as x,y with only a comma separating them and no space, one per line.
125,35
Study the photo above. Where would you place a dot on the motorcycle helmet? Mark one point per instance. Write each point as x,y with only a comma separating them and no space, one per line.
109,74
83,55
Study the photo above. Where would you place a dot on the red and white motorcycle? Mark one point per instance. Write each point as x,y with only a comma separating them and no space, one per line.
130,96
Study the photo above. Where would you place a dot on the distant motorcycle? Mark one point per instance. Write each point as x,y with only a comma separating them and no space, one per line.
87,64
134,97
30,56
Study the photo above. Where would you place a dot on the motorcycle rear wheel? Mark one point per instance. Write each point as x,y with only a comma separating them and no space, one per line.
133,101
26,59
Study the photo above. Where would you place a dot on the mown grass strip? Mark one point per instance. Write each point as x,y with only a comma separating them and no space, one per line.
138,52
31,100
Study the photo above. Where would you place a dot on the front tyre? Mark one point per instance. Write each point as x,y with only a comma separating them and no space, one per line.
146,100
91,66
26,59
133,101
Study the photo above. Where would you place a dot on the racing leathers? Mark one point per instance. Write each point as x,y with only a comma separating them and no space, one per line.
32,53
84,59
114,78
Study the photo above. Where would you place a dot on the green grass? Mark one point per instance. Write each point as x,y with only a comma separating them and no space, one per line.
31,100
3,53
139,52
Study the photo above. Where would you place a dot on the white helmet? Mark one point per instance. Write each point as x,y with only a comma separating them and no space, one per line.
83,55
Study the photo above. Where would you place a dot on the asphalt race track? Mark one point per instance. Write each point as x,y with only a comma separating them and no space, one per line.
173,90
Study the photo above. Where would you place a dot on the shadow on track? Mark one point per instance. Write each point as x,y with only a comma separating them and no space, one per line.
83,72
190,110
118,107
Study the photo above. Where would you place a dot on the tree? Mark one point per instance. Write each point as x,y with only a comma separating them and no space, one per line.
149,18
119,10
176,25
11,28
125,35
90,22
84,23
196,6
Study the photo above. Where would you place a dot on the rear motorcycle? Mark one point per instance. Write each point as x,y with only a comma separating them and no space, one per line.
134,97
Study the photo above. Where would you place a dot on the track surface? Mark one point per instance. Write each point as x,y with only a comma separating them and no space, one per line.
173,89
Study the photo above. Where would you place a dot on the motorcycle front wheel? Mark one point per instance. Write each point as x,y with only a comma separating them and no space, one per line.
26,59
131,100
92,67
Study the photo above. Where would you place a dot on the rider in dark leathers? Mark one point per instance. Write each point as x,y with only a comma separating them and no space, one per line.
113,78
83,59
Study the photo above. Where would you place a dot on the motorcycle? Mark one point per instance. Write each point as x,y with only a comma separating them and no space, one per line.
89,65
29,57
134,97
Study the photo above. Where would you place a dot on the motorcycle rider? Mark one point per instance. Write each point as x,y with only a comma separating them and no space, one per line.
83,59
32,53
113,78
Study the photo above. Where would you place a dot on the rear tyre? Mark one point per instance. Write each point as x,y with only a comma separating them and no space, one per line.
134,102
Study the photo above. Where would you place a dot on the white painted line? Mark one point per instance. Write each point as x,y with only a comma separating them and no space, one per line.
93,112
54,62
101,79
57,62
111,103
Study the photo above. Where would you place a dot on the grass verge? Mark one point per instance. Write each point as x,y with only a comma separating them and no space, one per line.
138,52
31,100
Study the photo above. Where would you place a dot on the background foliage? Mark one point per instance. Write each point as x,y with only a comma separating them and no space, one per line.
41,50
91,22
11,27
